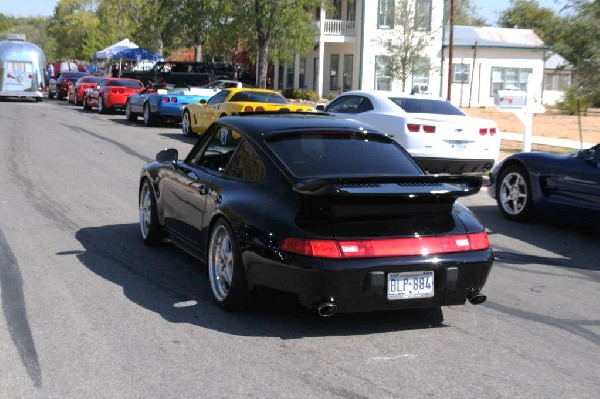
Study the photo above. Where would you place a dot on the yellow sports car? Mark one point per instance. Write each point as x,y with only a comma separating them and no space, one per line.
197,117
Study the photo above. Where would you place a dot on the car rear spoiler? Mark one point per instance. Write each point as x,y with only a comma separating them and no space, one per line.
449,186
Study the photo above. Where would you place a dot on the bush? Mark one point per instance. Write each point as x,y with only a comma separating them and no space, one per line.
569,105
298,94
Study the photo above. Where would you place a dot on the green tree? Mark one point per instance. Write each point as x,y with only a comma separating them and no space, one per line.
405,43
284,27
529,15
71,25
465,13
579,43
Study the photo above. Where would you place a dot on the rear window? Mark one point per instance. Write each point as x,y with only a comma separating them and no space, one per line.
337,153
426,106
90,80
125,83
258,97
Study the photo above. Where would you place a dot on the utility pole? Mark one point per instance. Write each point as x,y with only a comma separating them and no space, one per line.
450,46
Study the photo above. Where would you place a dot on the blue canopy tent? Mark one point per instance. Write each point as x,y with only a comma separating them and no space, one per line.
137,54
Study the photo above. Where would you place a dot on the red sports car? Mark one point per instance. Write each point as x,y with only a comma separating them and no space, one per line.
77,90
111,94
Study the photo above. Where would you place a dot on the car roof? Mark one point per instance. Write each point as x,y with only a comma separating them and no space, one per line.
251,89
256,125
387,94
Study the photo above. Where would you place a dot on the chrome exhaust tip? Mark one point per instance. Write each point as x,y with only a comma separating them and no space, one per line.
476,298
327,308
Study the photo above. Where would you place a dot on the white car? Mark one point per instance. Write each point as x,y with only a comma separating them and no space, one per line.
214,87
439,136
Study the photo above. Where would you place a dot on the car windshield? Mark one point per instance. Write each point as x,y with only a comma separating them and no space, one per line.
426,106
90,80
258,97
125,83
319,153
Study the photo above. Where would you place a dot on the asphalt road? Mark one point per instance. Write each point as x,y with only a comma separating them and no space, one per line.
89,312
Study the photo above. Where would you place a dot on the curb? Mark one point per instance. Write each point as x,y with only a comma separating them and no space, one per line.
547,141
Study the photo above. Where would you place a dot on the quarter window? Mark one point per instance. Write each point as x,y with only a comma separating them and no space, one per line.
219,97
218,150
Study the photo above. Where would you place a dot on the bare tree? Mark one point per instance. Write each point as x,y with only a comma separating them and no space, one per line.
405,44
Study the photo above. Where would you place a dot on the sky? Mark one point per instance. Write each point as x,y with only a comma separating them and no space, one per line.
488,9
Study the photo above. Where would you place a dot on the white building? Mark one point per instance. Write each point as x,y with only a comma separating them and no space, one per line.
347,54
487,59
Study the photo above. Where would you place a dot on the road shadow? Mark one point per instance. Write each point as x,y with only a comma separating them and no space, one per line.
139,123
577,246
169,282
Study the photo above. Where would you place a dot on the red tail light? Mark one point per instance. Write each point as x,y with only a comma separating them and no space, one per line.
482,131
8,75
165,99
492,131
248,108
299,110
121,91
411,246
174,100
113,90
413,127
30,76
259,109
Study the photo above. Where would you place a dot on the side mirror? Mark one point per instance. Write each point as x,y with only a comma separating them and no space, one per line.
320,107
168,155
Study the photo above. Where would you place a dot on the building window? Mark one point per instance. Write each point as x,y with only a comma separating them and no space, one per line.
337,9
301,72
289,70
509,79
423,15
383,74
348,71
334,68
460,73
420,75
557,80
385,14
351,10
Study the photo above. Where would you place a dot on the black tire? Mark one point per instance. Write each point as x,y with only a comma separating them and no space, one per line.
58,95
85,104
225,269
186,124
76,99
131,116
50,95
101,108
149,119
152,234
38,99
513,193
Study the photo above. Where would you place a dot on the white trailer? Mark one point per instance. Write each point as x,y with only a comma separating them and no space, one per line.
22,68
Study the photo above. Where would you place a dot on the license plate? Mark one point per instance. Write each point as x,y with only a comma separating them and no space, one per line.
410,285
459,147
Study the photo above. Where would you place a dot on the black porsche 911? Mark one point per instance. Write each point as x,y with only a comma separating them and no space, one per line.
564,187
325,208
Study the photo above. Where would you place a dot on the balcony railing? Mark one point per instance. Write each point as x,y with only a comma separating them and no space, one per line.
336,27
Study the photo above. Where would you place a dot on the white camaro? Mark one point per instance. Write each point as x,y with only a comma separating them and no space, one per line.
439,136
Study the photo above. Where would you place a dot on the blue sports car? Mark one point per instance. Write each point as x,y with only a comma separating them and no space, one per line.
537,183
163,104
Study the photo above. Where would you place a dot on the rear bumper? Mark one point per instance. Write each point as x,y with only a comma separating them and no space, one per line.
454,166
358,286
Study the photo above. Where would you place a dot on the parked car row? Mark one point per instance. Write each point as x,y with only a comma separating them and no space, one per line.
335,206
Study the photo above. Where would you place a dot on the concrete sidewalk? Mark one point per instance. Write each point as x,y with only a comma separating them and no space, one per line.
547,141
